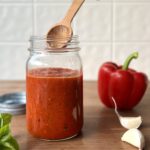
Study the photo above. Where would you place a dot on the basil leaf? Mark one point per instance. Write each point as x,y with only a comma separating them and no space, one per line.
2,147
7,142
4,131
1,121
6,118
5,138
11,143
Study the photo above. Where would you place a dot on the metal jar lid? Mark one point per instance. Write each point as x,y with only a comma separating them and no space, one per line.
14,103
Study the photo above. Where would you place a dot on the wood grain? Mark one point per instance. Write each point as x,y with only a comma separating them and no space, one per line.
101,130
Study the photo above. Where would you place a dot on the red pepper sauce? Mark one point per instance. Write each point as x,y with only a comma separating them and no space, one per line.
54,103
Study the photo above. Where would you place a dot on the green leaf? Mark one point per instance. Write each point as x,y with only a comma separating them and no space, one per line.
2,147
7,142
4,131
6,118
6,138
11,143
1,121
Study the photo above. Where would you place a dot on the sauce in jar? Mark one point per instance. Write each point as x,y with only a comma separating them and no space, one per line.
54,103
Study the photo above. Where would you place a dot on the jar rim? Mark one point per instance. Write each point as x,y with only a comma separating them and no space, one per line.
47,38
39,43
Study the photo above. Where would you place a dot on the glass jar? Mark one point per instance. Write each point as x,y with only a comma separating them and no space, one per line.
54,86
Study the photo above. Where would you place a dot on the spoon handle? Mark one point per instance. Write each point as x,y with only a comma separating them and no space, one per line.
73,10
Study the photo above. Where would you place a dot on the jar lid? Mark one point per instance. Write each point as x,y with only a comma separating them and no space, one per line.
14,103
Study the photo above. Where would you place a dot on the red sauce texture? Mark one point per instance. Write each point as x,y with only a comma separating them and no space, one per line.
54,103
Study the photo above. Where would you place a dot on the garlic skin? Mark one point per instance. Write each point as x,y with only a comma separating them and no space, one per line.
134,137
131,122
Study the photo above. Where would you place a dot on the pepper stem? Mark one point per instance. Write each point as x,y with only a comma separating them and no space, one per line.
129,59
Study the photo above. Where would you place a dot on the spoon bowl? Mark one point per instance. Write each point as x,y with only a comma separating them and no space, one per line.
62,32
60,35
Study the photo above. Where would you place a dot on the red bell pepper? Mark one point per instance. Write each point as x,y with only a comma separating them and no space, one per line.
125,85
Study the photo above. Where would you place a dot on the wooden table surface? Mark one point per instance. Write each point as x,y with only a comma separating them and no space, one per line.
101,130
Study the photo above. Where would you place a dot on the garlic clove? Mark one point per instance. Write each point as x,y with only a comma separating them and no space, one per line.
134,137
131,122
128,122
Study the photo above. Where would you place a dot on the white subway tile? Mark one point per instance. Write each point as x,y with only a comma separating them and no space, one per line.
130,1
93,56
70,1
140,64
53,1
131,22
48,15
93,23
15,22
14,1
13,59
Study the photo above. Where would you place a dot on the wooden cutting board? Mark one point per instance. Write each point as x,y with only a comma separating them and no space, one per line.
101,130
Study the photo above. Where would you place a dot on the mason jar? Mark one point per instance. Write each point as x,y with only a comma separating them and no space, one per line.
54,88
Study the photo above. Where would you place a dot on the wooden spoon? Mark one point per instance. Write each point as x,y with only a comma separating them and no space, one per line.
61,33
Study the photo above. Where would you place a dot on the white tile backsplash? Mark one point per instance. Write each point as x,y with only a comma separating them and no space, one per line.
130,1
59,1
93,23
46,16
132,22
108,29
53,1
13,60
14,1
15,22
93,55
